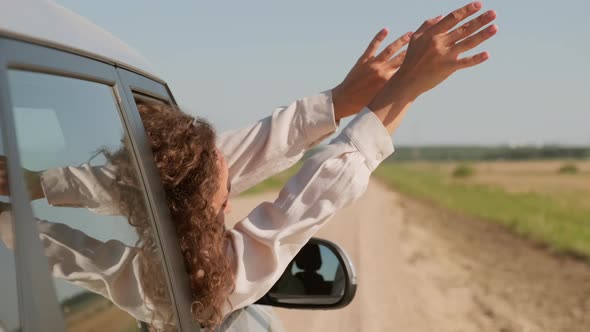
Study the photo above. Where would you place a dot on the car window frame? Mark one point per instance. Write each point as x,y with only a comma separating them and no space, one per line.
164,228
38,306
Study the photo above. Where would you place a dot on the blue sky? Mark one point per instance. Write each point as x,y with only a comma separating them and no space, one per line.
234,63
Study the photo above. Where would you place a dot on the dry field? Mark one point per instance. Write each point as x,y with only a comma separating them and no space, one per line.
525,176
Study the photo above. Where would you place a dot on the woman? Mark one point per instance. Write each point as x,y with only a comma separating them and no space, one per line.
241,264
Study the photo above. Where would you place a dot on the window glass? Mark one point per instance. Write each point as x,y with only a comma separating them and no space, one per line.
9,315
89,204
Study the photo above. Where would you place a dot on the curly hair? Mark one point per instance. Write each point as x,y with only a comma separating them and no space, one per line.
184,152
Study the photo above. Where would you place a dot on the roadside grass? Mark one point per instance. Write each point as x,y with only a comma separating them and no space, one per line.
564,229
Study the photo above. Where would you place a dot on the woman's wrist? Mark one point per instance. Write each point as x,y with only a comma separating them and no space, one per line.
405,86
396,92
34,184
342,107
391,104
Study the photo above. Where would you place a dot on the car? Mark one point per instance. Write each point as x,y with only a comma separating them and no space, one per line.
68,90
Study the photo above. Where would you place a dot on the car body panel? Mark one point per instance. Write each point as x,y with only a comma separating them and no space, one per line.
47,23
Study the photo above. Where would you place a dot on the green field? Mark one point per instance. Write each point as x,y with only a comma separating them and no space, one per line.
531,198
480,153
552,209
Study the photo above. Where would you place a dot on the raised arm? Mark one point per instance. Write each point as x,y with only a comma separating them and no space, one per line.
254,153
275,143
272,234
268,239
87,186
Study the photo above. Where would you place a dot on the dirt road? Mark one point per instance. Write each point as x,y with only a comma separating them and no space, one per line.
424,269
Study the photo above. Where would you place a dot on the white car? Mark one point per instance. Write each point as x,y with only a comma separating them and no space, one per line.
68,88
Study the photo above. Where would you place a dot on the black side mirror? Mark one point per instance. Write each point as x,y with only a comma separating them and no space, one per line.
321,276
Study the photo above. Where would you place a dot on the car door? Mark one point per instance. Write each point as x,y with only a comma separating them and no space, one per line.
83,262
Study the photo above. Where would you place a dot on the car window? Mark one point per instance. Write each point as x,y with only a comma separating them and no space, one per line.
9,315
90,207
141,98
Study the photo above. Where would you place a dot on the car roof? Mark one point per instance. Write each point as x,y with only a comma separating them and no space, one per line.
47,23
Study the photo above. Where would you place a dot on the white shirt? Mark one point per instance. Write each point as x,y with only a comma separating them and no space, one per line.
266,240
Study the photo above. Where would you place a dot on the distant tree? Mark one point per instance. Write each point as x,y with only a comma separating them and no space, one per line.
463,171
569,168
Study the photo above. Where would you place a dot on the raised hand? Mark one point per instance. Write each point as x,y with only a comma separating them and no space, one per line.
368,76
32,179
434,53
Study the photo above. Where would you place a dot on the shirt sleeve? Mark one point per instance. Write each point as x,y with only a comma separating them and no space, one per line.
263,244
275,143
269,238
253,154
111,268
85,186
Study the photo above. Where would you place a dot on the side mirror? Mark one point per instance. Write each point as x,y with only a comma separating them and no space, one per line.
321,276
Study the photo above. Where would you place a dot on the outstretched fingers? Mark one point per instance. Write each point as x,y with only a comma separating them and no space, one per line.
469,28
452,19
374,44
393,48
427,25
397,61
473,60
476,39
